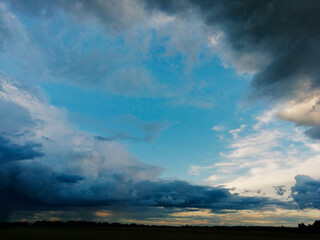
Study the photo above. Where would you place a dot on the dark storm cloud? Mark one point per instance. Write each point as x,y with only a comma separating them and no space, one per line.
68,178
40,185
185,195
279,41
306,192
10,151
286,31
290,70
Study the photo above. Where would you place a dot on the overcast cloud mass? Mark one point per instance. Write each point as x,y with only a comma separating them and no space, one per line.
184,108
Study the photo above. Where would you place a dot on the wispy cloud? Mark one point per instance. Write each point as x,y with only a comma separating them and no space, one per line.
235,132
264,157
218,128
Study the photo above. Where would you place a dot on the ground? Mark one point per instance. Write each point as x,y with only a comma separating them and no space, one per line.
154,233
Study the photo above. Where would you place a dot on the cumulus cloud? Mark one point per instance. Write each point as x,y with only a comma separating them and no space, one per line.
306,192
304,112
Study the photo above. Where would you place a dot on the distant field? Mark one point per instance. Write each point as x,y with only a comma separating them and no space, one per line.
123,233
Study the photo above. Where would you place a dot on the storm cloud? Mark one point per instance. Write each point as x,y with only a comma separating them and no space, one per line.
306,192
12,152
284,32
276,41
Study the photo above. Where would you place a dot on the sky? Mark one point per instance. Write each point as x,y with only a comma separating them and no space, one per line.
160,112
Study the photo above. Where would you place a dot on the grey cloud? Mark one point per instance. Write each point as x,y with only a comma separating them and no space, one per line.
118,14
285,32
280,190
148,130
68,178
39,185
134,81
10,151
88,61
278,41
9,29
290,71
98,67
16,119
185,195
152,129
313,132
306,192
120,136
5,31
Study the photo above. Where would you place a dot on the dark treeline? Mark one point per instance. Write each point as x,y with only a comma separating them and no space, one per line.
314,228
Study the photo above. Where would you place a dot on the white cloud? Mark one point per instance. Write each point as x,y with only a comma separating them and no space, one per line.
266,118
305,112
270,153
217,128
195,170
235,132
214,39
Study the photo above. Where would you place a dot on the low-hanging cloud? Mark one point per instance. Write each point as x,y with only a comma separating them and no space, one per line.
306,192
